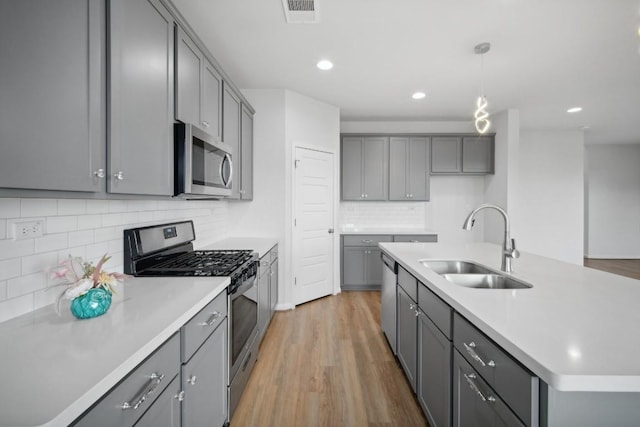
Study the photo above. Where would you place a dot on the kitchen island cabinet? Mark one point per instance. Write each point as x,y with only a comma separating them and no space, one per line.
82,360
544,365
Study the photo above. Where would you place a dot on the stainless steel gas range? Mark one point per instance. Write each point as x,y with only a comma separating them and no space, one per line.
167,250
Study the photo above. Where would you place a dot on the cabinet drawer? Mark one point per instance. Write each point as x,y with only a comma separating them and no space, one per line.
475,403
437,310
515,384
365,240
408,283
416,238
198,329
164,363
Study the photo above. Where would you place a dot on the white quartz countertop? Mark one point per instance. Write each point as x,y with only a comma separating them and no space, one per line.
262,245
576,329
384,230
55,367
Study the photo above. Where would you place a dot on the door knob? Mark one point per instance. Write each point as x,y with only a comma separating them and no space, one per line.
330,231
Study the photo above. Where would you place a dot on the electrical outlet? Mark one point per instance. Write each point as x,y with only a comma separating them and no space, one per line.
27,229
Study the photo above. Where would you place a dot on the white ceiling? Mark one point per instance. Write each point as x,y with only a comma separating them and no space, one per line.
546,56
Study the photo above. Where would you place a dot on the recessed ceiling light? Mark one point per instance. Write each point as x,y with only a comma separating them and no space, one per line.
574,110
418,95
324,65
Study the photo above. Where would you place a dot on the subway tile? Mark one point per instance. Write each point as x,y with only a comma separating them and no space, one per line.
116,246
16,248
60,224
79,238
24,285
97,206
104,234
30,208
15,307
96,251
9,208
131,218
3,290
111,219
117,206
87,222
39,262
51,242
72,207
78,251
46,296
9,268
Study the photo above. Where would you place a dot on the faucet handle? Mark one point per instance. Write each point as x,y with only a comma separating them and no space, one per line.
513,252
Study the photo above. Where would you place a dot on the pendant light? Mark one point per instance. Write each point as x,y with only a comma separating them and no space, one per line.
481,115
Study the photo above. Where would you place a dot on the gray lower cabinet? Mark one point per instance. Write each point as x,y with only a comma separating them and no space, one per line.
407,335
140,102
434,372
246,154
273,283
475,404
198,87
462,155
52,107
165,412
409,168
264,303
204,382
138,392
365,165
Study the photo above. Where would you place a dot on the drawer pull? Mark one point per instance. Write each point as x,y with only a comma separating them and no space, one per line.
367,241
414,241
472,385
152,386
214,317
470,349
192,380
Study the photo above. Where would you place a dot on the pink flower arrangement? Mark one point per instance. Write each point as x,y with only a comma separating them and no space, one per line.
79,276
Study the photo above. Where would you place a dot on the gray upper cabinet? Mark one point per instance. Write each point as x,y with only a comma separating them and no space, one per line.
52,107
198,87
408,168
477,154
446,154
141,98
231,110
365,165
246,154
453,155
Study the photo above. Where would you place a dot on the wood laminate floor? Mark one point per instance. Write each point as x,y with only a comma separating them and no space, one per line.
327,363
623,267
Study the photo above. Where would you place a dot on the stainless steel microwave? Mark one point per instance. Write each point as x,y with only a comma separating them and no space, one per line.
203,164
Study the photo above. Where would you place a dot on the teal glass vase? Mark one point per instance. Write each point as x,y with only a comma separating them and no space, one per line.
94,303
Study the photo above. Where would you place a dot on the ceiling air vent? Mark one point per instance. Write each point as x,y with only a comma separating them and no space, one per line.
301,11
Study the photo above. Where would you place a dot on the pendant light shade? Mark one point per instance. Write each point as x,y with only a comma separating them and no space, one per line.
481,115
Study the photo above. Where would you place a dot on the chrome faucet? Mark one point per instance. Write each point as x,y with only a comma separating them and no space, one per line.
509,250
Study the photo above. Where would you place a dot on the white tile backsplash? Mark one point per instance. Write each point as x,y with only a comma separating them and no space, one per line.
383,214
85,228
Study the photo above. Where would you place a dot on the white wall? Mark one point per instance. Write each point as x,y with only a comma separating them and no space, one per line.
283,120
85,228
612,183
550,200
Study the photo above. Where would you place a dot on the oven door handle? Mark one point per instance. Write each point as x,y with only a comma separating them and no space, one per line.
243,288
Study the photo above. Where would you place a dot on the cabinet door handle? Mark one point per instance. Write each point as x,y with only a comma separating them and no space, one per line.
99,173
214,317
119,175
192,380
470,349
205,123
367,241
414,241
472,385
154,382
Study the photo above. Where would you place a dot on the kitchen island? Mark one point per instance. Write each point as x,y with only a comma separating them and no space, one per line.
55,367
575,328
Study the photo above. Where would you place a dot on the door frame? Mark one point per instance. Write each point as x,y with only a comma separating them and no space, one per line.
336,201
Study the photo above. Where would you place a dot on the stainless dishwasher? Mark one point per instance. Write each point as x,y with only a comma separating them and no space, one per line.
388,299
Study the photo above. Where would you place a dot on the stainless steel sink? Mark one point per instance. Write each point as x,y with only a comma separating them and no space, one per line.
456,267
486,281
472,275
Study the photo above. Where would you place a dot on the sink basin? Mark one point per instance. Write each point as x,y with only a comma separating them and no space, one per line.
486,281
456,267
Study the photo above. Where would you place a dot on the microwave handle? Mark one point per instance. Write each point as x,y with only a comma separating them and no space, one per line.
226,181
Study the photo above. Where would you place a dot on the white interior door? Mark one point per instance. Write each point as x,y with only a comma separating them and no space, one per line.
313,224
